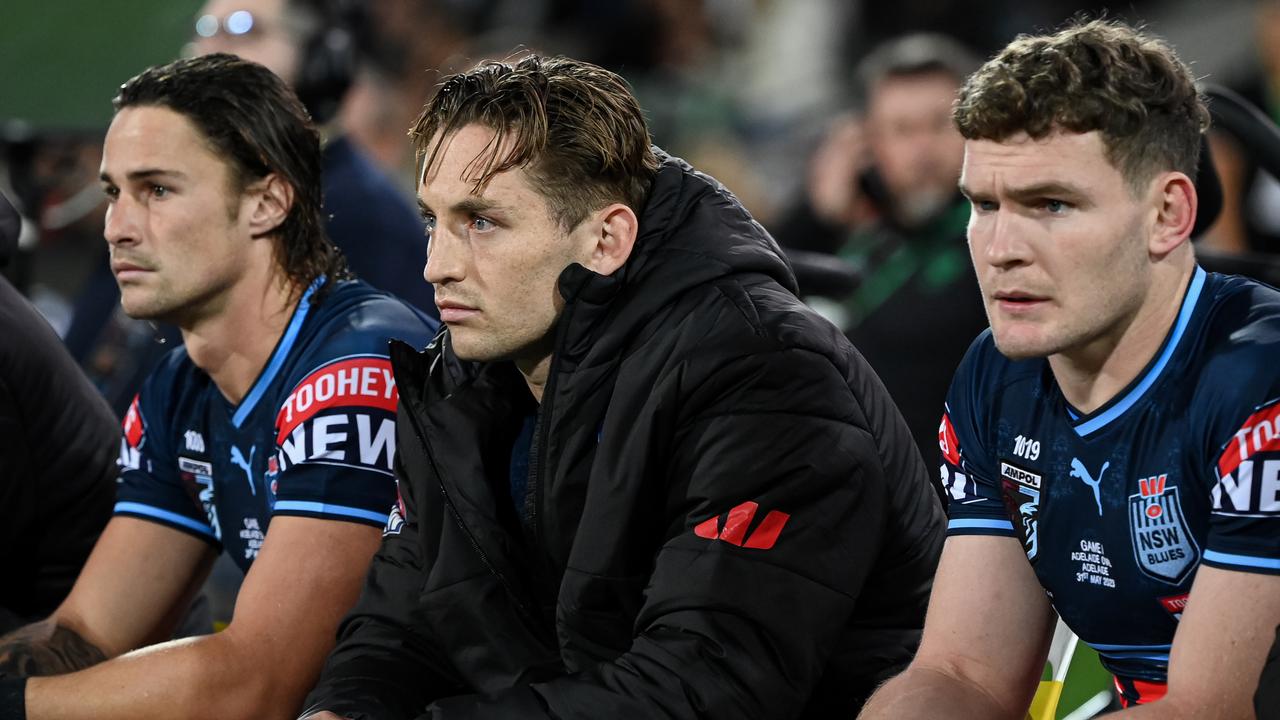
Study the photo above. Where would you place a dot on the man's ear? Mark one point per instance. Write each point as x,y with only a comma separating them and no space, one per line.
1175,212
268,203
613,235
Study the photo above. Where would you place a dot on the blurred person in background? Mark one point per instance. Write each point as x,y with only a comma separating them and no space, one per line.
1250,220
268,434
882,196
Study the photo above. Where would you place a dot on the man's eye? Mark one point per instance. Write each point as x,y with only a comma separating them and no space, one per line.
159,191
1056,207
429,222
482,224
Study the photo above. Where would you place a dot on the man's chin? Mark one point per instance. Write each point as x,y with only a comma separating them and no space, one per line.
1017,346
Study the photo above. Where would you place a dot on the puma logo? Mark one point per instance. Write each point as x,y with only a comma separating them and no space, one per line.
238,459
1078,470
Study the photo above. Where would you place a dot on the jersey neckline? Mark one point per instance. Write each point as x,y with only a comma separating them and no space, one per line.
283,347
1088,424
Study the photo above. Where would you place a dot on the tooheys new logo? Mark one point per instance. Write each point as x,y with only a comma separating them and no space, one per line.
341,414
131,437
1249,467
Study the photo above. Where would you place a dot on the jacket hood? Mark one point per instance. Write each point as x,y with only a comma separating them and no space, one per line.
692,232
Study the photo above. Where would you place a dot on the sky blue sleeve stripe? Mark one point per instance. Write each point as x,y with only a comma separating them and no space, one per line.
1100,647
979,525
169,516
1246,560
327,509
1180,327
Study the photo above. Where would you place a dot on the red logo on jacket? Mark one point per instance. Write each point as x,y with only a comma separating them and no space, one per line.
735,527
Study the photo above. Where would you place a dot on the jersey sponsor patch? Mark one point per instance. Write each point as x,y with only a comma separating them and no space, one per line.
132,432
341,414
132,426
197,479
1249,467
1021,492
355,382
947,441
1162,543
1174,604
1020,476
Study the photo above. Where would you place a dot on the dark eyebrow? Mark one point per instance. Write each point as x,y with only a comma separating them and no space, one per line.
474,205
1043,190
1031,192
146,174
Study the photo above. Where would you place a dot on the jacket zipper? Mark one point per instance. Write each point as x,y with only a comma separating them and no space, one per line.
457,517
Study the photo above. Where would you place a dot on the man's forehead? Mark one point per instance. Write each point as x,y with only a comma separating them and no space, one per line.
153,137
1051,156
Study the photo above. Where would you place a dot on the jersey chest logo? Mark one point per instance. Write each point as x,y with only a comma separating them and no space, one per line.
1162,542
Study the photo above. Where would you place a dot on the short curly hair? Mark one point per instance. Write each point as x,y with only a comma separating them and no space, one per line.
1098,75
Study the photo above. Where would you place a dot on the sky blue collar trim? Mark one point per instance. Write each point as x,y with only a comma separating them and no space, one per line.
1137,391
277,358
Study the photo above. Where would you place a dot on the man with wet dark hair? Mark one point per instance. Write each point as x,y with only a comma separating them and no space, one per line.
269,434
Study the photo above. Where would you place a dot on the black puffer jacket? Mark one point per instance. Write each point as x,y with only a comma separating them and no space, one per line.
691,395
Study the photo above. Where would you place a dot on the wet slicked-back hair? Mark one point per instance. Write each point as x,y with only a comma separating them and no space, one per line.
574,127
254,123
1099,75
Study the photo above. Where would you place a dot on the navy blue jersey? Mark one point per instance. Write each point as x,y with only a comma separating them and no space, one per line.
1117,508
314,436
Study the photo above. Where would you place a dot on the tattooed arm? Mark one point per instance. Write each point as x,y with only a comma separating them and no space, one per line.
133,591
46,648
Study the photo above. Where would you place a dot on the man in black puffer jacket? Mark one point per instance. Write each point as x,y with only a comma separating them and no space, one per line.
638,478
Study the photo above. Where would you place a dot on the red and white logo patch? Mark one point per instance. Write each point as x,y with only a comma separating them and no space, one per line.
132,425
359,382
947,441
1249,467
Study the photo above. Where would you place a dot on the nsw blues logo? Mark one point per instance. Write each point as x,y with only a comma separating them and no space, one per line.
1162,542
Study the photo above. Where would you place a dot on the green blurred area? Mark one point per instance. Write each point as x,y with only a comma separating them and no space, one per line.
62,60
1085,678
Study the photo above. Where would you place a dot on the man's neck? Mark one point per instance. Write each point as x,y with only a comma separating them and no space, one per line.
1090,376
535,374
234,343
